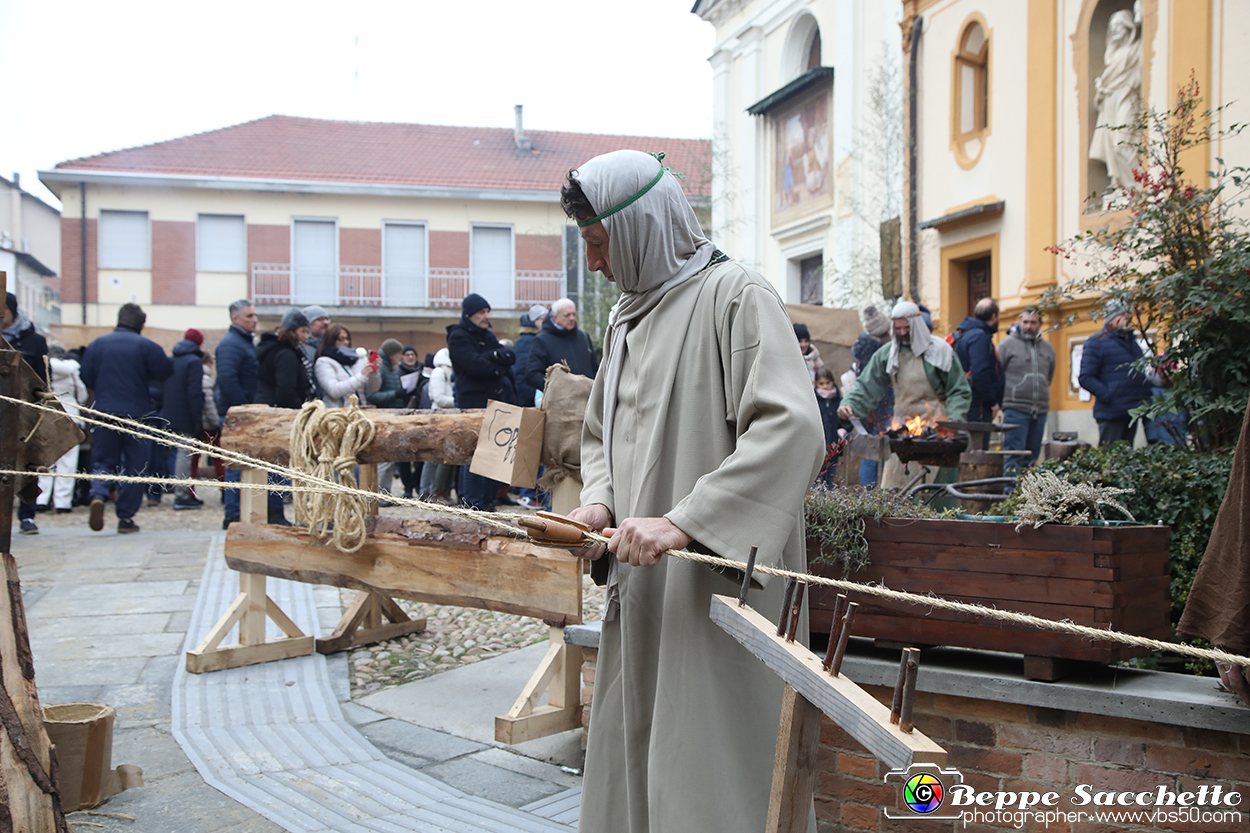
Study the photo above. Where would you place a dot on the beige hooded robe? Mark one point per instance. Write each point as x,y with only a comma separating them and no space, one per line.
716,428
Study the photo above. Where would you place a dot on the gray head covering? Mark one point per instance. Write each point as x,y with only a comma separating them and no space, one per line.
935,351
654,244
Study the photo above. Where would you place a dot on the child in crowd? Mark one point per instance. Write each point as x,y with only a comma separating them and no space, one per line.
828,399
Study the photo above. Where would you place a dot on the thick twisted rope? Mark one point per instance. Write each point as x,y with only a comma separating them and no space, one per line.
326,441
312,483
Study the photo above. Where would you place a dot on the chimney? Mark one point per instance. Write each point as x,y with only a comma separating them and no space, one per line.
522,143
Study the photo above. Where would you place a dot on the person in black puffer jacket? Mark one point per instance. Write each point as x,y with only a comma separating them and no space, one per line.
182,407
282,378
24,338
560,341
1106,372
482,373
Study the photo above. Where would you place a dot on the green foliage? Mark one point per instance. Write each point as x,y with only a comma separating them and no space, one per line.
1170,485
1181,260
836,517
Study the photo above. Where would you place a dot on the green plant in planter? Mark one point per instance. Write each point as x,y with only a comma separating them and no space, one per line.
1044,498
1170,485
836,517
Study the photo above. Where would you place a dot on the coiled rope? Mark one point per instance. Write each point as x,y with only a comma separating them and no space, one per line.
312,483
326,442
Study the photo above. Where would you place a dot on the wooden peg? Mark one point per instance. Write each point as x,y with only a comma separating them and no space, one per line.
909,689
796,610
785,605
746,578
897,706
847,621
839,605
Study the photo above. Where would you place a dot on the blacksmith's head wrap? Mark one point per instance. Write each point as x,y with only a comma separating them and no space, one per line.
935,351
655,243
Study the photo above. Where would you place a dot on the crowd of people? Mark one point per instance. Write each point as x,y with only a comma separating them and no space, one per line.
899,370
307,356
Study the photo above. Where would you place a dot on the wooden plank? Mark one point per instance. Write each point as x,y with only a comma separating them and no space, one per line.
1055,537
1006,589
507,575
369,636
543,721
794,768
355,630
253,503
235,656
1018,641
964,559
401,435
865,719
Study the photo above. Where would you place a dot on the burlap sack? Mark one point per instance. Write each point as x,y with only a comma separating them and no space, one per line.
564,399
83,736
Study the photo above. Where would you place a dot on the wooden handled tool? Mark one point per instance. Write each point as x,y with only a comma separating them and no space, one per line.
552,530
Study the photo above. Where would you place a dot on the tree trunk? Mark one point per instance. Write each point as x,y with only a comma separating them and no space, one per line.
403,436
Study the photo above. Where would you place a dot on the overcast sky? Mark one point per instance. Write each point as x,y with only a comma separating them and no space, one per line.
82,78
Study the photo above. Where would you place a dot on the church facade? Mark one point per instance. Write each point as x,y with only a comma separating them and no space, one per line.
1008,103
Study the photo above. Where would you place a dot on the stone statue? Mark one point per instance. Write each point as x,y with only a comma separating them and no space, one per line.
1117,97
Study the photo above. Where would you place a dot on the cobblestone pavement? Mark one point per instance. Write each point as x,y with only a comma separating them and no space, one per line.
454,636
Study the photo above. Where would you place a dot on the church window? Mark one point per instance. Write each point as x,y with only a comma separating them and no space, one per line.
970,100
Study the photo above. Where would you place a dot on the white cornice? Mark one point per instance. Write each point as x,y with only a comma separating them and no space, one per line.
295,186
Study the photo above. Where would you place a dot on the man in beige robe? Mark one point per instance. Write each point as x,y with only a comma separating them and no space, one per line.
701,432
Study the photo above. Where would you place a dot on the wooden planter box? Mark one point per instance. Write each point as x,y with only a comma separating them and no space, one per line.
1099,576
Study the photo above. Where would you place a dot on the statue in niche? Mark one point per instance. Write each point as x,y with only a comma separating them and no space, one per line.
1117,97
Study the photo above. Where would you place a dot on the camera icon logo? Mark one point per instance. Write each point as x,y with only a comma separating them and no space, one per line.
923,791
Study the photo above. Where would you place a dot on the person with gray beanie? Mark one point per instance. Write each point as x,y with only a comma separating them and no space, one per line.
318,322
283,375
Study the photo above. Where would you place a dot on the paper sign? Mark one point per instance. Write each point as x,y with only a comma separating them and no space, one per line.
509,444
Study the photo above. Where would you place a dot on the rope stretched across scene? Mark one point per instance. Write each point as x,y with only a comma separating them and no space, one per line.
313,484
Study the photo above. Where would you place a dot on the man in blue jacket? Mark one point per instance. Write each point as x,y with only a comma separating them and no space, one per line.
121,367
236,385
974,344
1107,373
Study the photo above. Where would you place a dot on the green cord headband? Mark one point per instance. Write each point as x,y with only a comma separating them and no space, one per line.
659,157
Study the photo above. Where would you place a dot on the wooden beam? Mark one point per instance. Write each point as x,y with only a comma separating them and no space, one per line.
402,436
794,770
559,676
498,573
362,624
846,704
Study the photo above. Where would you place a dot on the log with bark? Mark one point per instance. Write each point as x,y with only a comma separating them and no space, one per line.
403,435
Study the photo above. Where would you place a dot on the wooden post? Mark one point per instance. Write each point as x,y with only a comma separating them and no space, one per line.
559,675
28,778
794,771
250,609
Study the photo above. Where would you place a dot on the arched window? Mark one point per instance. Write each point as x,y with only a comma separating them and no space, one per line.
970,99
802,52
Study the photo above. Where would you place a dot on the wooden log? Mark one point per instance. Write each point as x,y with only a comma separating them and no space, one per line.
403,436
504,574
43,437
845,703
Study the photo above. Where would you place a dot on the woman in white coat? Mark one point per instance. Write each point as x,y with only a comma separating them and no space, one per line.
340,371
436,481
71,392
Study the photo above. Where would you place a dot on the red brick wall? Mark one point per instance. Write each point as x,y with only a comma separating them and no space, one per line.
449,250
360,246
173,262
268,244
71,263
538,251
1004,746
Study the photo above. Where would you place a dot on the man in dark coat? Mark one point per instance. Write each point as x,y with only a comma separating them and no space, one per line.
236,385
1107,373
531,324
482,368
182,408
121,367
974,344
559,340
22,336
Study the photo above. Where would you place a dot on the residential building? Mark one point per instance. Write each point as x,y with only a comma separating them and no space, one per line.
807,150
388,226
30,251
1009,96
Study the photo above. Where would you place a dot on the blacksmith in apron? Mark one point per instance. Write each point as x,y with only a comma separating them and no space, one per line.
928,381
